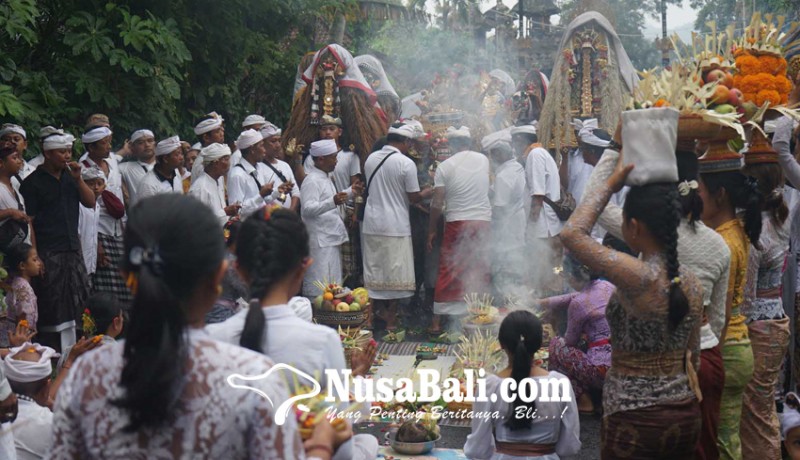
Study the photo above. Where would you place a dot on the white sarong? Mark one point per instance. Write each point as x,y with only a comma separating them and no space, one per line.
388,266
326,267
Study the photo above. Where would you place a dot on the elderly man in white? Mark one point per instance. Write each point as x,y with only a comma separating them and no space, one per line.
207,188
164,177
143,147
322,213
543,187
248,184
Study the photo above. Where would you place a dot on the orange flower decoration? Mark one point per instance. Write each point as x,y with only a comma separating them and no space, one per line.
24,323
765,95
783,85
748,65
772,64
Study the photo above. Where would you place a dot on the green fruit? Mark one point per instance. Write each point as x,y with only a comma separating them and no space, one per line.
725,108
317,303
355,306
750,109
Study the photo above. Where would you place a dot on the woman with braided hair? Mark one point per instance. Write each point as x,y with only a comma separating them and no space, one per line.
654,316
272,256
723,192
705,254
767,324
162,391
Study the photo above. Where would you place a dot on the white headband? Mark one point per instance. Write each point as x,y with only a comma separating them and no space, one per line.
248,139
269,130
58,141
323,148
586,129
209,124
253,120
28,371
92,173
140,134
168,145
406,131
12,128
96,134
462,132
214,152
524,129
419,130
48,130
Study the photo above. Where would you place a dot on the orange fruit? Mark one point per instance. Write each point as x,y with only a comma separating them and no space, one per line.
327,296
721,94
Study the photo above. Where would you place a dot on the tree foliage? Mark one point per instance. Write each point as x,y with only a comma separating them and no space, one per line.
151,63
725,12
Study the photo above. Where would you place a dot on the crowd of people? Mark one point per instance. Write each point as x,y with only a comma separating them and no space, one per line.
674,320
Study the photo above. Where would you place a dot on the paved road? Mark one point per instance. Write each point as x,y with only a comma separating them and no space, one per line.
454,438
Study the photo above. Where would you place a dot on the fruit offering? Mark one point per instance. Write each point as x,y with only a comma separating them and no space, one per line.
336,298
761,68
311,411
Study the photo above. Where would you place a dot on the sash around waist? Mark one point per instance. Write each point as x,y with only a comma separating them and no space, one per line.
521,449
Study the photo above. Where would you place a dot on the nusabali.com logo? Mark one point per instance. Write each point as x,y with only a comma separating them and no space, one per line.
340,386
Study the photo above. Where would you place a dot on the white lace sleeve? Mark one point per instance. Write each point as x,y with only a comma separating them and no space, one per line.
611,217
210,418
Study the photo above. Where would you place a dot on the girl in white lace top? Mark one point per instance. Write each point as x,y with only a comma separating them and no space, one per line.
163,392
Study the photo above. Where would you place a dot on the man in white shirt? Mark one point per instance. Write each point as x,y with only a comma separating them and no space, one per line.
461,189
164,177
543,184
348,167
107,276
143,148
254,122
277,170
207,187
247,181
509,219
386,229
322,214
209,130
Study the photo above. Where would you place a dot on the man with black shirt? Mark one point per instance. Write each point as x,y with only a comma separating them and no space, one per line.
52,195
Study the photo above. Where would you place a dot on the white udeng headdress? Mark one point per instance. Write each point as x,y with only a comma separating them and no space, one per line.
29,371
